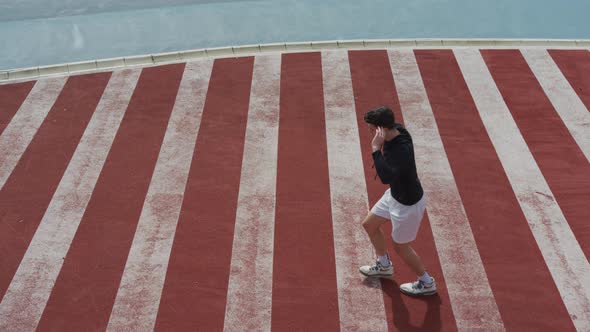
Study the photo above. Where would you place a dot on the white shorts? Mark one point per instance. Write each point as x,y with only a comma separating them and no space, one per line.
406,219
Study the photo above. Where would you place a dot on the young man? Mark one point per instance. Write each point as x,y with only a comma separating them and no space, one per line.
403,203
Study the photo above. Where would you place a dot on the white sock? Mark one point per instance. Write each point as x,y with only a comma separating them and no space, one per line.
425,278
384,260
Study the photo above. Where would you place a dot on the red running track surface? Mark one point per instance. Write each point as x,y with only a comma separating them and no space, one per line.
89,265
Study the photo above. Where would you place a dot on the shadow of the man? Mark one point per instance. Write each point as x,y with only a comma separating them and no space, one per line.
401,314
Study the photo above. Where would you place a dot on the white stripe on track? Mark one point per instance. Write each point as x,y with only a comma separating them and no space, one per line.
249,293
360,305
24,125
24,301
560,249
138,297
566,102
470,294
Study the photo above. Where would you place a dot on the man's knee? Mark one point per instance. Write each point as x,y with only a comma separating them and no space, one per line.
372,223
401,247
367,225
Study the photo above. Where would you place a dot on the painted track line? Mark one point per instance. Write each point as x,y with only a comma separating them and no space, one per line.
471,297
25,299
24,125
195,288
360,305
136,303
506,245
575,66
561,251
249,294
304,275
85,290
566,102
559,158
11,98
32,183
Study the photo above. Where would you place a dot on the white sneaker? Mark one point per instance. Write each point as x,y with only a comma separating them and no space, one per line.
377,270
419,288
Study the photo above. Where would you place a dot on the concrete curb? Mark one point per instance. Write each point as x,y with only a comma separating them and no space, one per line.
21,74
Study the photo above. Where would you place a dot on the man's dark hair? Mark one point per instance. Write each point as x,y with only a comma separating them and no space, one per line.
381,116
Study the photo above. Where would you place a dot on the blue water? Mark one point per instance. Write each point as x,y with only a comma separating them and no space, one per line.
35,32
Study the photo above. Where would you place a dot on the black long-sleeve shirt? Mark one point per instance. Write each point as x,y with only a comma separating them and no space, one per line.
396,166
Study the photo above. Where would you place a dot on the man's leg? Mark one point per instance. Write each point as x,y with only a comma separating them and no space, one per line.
383,267
372,225
410,257
425,284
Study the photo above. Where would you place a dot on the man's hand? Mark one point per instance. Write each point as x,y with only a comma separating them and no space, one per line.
378,140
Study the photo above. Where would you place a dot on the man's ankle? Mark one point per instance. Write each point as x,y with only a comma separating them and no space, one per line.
425,278
384,260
